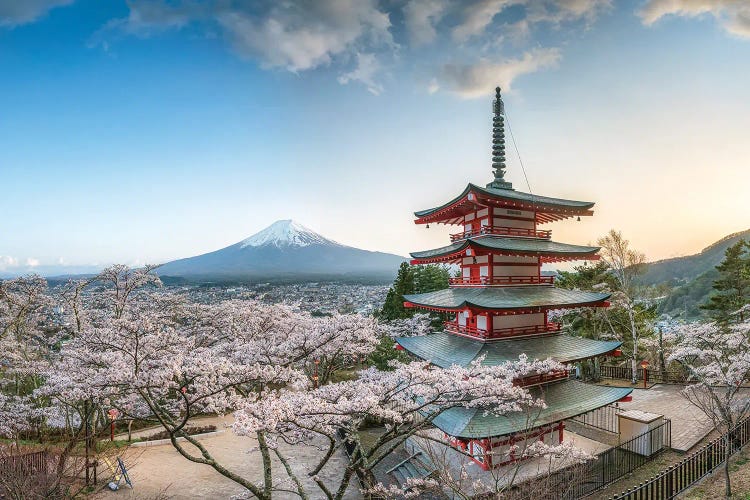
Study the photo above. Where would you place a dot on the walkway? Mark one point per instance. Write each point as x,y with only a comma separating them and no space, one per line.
160,472
689,424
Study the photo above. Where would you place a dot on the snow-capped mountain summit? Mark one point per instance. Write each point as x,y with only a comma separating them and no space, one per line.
285,251
286,233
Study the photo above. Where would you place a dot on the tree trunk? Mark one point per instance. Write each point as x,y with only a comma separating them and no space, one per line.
728,484
634,334
634,368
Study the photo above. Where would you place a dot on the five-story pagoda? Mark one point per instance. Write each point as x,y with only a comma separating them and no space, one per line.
500,303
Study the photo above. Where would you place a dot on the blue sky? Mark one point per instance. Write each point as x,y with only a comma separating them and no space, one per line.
144,131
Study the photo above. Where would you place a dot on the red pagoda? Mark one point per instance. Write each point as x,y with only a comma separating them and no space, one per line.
499,306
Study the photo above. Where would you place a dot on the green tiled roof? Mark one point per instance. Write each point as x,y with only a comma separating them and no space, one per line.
565,399
523,245
512,194
511,297
444,349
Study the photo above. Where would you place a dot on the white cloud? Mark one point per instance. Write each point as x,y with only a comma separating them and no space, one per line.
366,71
32,262
300,36
293,35
18,12
6,261
420,17
733,15
481,78
477,16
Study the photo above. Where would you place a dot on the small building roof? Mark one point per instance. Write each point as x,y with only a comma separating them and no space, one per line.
524,246
444,349
505,298
565,399
511,198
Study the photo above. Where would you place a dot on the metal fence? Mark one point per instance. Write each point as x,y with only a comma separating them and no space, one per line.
655,376
676,479
604,418
581,480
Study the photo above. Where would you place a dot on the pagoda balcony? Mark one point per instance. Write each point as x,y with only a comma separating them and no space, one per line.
501,280
502,231
498,333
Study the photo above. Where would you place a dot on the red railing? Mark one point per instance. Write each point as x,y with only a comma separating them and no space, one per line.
502,280
502,231
541,378
452,327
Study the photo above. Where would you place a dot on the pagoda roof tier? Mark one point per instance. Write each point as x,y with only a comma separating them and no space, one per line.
565,399
510,298
551,251
445,350
475,197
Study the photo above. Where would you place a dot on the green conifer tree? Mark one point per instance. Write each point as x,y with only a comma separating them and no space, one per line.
732,288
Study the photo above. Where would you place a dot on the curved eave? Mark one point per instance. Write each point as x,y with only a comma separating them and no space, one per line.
565,399
548,209
445,350
513,247
517,299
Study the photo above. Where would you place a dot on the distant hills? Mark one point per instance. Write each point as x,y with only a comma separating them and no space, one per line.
692,276
283,252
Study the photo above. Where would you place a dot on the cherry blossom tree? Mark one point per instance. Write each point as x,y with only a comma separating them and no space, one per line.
625,264
717,358
405,401
125,343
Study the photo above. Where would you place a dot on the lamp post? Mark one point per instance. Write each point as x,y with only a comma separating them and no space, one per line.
644,365
112,414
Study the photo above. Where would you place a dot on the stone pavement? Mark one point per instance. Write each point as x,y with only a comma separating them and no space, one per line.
689,424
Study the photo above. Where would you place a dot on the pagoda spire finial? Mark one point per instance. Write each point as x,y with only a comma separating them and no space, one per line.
498,143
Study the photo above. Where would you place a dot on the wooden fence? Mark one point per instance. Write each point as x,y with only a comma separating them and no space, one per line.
676,479
37,462
655,376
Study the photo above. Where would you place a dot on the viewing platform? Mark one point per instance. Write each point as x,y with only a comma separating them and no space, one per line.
497,333
501,280
503,231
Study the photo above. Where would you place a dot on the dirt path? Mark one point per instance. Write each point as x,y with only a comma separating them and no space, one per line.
161,472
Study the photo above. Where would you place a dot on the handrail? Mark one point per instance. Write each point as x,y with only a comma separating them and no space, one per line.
452,327
503,231
502,280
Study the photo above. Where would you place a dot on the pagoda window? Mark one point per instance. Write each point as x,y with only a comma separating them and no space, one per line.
482,322
520,259
498,271
484,271
462,315
517,320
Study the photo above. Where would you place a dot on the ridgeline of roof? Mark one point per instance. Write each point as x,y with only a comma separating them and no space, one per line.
510,297
513,195
521,245
565,399
444,350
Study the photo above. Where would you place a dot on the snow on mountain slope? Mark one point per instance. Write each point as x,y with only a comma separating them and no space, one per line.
285,251
284,233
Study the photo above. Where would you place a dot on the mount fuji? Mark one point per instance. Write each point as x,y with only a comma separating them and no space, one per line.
285,251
